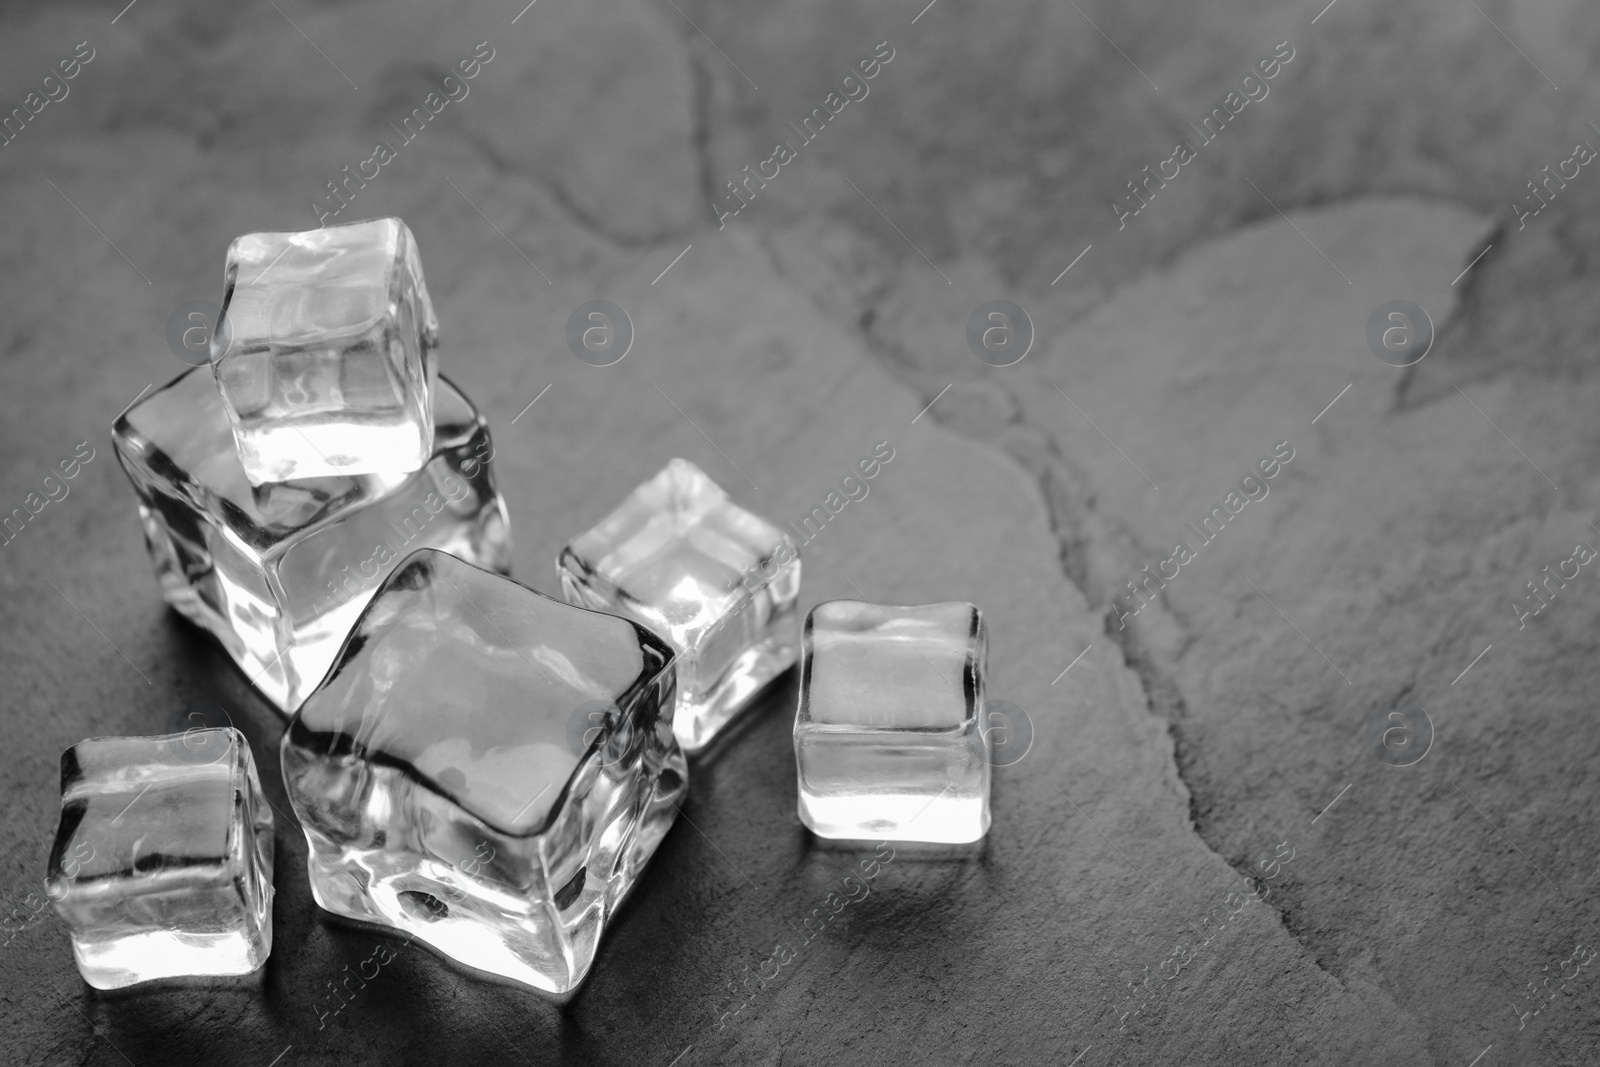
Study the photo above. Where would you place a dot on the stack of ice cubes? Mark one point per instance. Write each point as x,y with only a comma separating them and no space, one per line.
277,497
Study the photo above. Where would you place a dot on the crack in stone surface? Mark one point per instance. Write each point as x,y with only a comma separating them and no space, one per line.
700,128
1066,497
509,171
1471,306
1163,695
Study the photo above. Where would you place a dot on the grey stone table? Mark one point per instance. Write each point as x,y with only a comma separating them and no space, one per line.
1183,328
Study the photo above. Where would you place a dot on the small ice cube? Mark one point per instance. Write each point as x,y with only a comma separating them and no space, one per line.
439,785
891,736
718,583
278,573
329,368
162,864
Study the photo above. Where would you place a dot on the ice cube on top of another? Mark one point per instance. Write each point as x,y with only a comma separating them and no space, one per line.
451,781
162,863
892,667
719,583
329,365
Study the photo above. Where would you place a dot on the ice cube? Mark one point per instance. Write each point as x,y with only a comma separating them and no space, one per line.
439,790
716,582
279,572
329,365
162,864
891,739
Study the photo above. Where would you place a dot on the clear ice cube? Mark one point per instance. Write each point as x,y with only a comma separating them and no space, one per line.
442,792
162,863
718,583
279,572
891,737
329,366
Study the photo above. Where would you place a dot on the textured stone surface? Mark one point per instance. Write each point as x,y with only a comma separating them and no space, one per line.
1210,328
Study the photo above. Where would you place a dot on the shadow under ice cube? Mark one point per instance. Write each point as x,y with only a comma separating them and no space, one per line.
329,367
162,863
279,572
718,583
440,794
891,738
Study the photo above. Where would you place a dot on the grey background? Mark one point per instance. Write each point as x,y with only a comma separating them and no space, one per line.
1177,351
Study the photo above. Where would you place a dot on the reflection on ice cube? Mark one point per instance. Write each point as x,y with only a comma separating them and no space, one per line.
434,777
716,582
329,368
891,736
278,573
162,863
